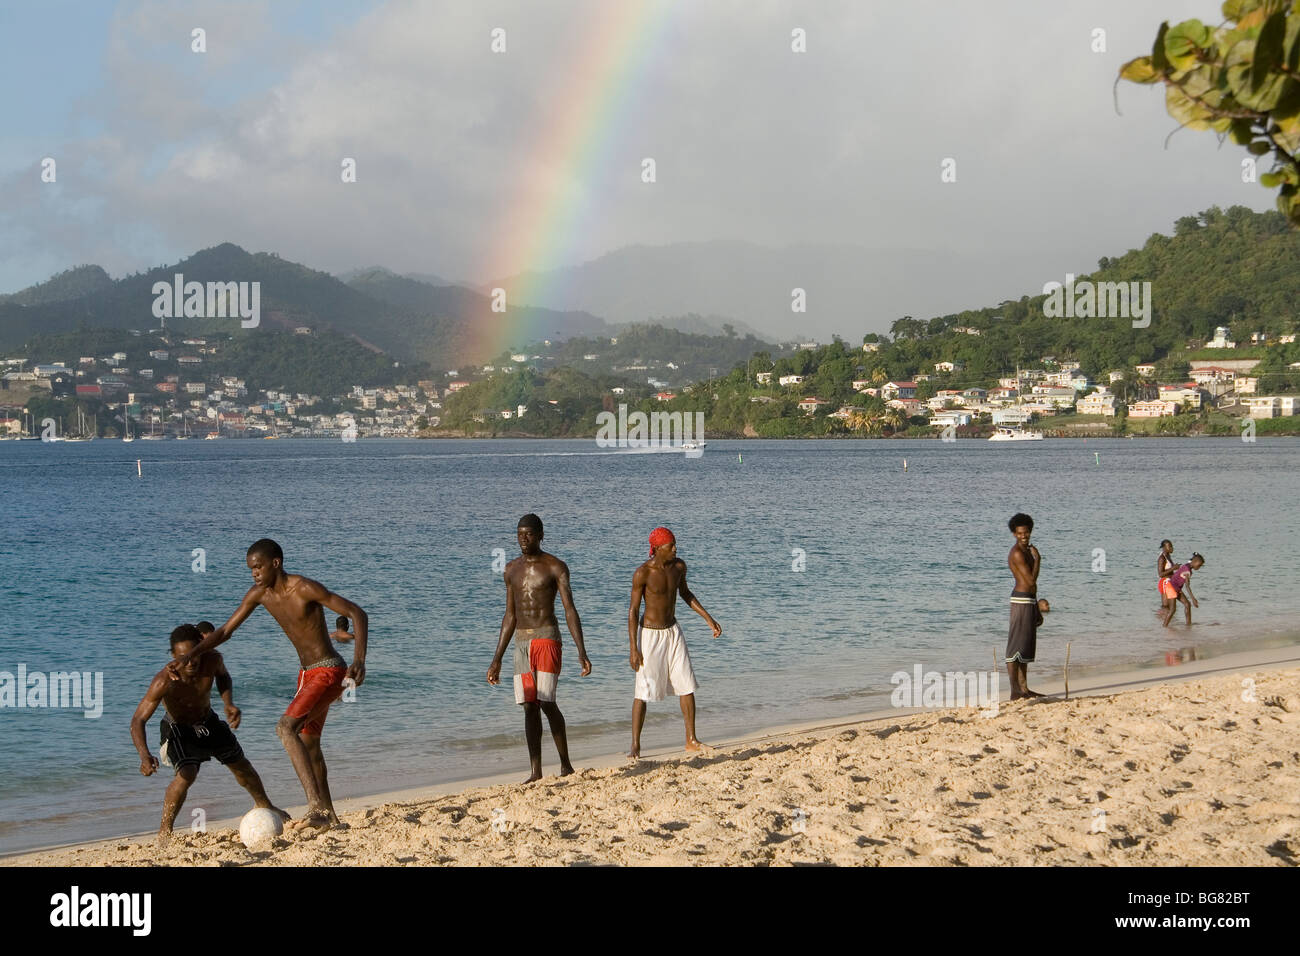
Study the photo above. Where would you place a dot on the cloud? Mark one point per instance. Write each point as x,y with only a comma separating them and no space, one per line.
457,148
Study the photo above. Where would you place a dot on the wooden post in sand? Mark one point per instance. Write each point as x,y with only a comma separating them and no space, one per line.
1067,670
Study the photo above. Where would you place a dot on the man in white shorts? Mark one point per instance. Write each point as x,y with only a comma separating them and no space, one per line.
658,653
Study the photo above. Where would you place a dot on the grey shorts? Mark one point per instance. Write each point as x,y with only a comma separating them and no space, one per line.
1022,638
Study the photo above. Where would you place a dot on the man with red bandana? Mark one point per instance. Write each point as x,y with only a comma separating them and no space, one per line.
658,649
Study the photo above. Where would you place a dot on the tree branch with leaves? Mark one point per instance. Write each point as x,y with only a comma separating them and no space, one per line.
1240,79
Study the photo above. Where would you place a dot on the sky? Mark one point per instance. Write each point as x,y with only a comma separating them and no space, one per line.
476,164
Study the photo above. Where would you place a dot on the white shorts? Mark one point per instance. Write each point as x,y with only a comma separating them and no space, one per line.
665,664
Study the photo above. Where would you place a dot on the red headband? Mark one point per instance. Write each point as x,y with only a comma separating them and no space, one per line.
660,536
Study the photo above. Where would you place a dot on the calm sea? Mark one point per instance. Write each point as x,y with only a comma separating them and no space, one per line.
900,568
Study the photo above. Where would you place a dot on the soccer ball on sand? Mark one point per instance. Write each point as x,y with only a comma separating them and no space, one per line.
259,826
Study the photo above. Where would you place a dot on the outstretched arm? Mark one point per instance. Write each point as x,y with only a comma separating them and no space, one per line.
695,605
571,616
507,632
148,704
222,634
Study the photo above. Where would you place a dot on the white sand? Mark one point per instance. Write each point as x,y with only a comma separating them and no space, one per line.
1188,771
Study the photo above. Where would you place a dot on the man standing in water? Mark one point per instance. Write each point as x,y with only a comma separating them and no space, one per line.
532,581
658,652
191,732
297,604
1022,639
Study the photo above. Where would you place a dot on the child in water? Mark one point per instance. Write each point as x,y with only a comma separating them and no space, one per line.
1181,581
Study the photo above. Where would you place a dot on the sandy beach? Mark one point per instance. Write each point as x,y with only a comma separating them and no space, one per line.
1197,767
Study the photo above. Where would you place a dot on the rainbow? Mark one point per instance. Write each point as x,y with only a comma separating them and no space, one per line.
574,152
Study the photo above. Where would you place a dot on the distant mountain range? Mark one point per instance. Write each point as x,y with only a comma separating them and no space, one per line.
408,317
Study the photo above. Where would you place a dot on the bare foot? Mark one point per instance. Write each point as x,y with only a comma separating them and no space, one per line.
534,777
164,836
314,820
634,755
566,770
1032,693
695,745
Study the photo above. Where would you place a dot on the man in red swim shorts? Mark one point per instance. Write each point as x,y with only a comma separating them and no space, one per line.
532,582
297,604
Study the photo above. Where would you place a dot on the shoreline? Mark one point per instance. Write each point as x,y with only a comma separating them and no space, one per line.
612,770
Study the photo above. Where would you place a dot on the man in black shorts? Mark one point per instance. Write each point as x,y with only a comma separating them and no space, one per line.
191,732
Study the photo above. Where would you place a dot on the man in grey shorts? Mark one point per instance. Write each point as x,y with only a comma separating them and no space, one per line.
1022,638
532,581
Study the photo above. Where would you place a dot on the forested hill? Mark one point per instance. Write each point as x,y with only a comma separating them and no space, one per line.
1236,268
68,285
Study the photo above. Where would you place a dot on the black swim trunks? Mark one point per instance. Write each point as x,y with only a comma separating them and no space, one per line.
1022,638
194,743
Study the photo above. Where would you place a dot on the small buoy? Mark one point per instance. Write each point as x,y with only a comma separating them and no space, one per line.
1098,454
904,464
740,458
138,474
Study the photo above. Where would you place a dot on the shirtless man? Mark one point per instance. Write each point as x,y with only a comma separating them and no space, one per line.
191,732
532,581
297,604
1022,638
658,650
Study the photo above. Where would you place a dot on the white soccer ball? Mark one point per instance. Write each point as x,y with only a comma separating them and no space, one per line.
260,825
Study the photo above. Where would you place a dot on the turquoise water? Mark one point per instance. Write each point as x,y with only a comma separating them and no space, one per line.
901,569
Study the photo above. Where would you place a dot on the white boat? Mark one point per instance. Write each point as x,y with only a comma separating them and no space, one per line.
693,445
1003,433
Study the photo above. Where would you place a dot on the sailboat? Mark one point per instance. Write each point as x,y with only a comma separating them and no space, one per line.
126,426
185,430
27,435
153,435
81,428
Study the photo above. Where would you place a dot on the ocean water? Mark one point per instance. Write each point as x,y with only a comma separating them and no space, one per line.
900,568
